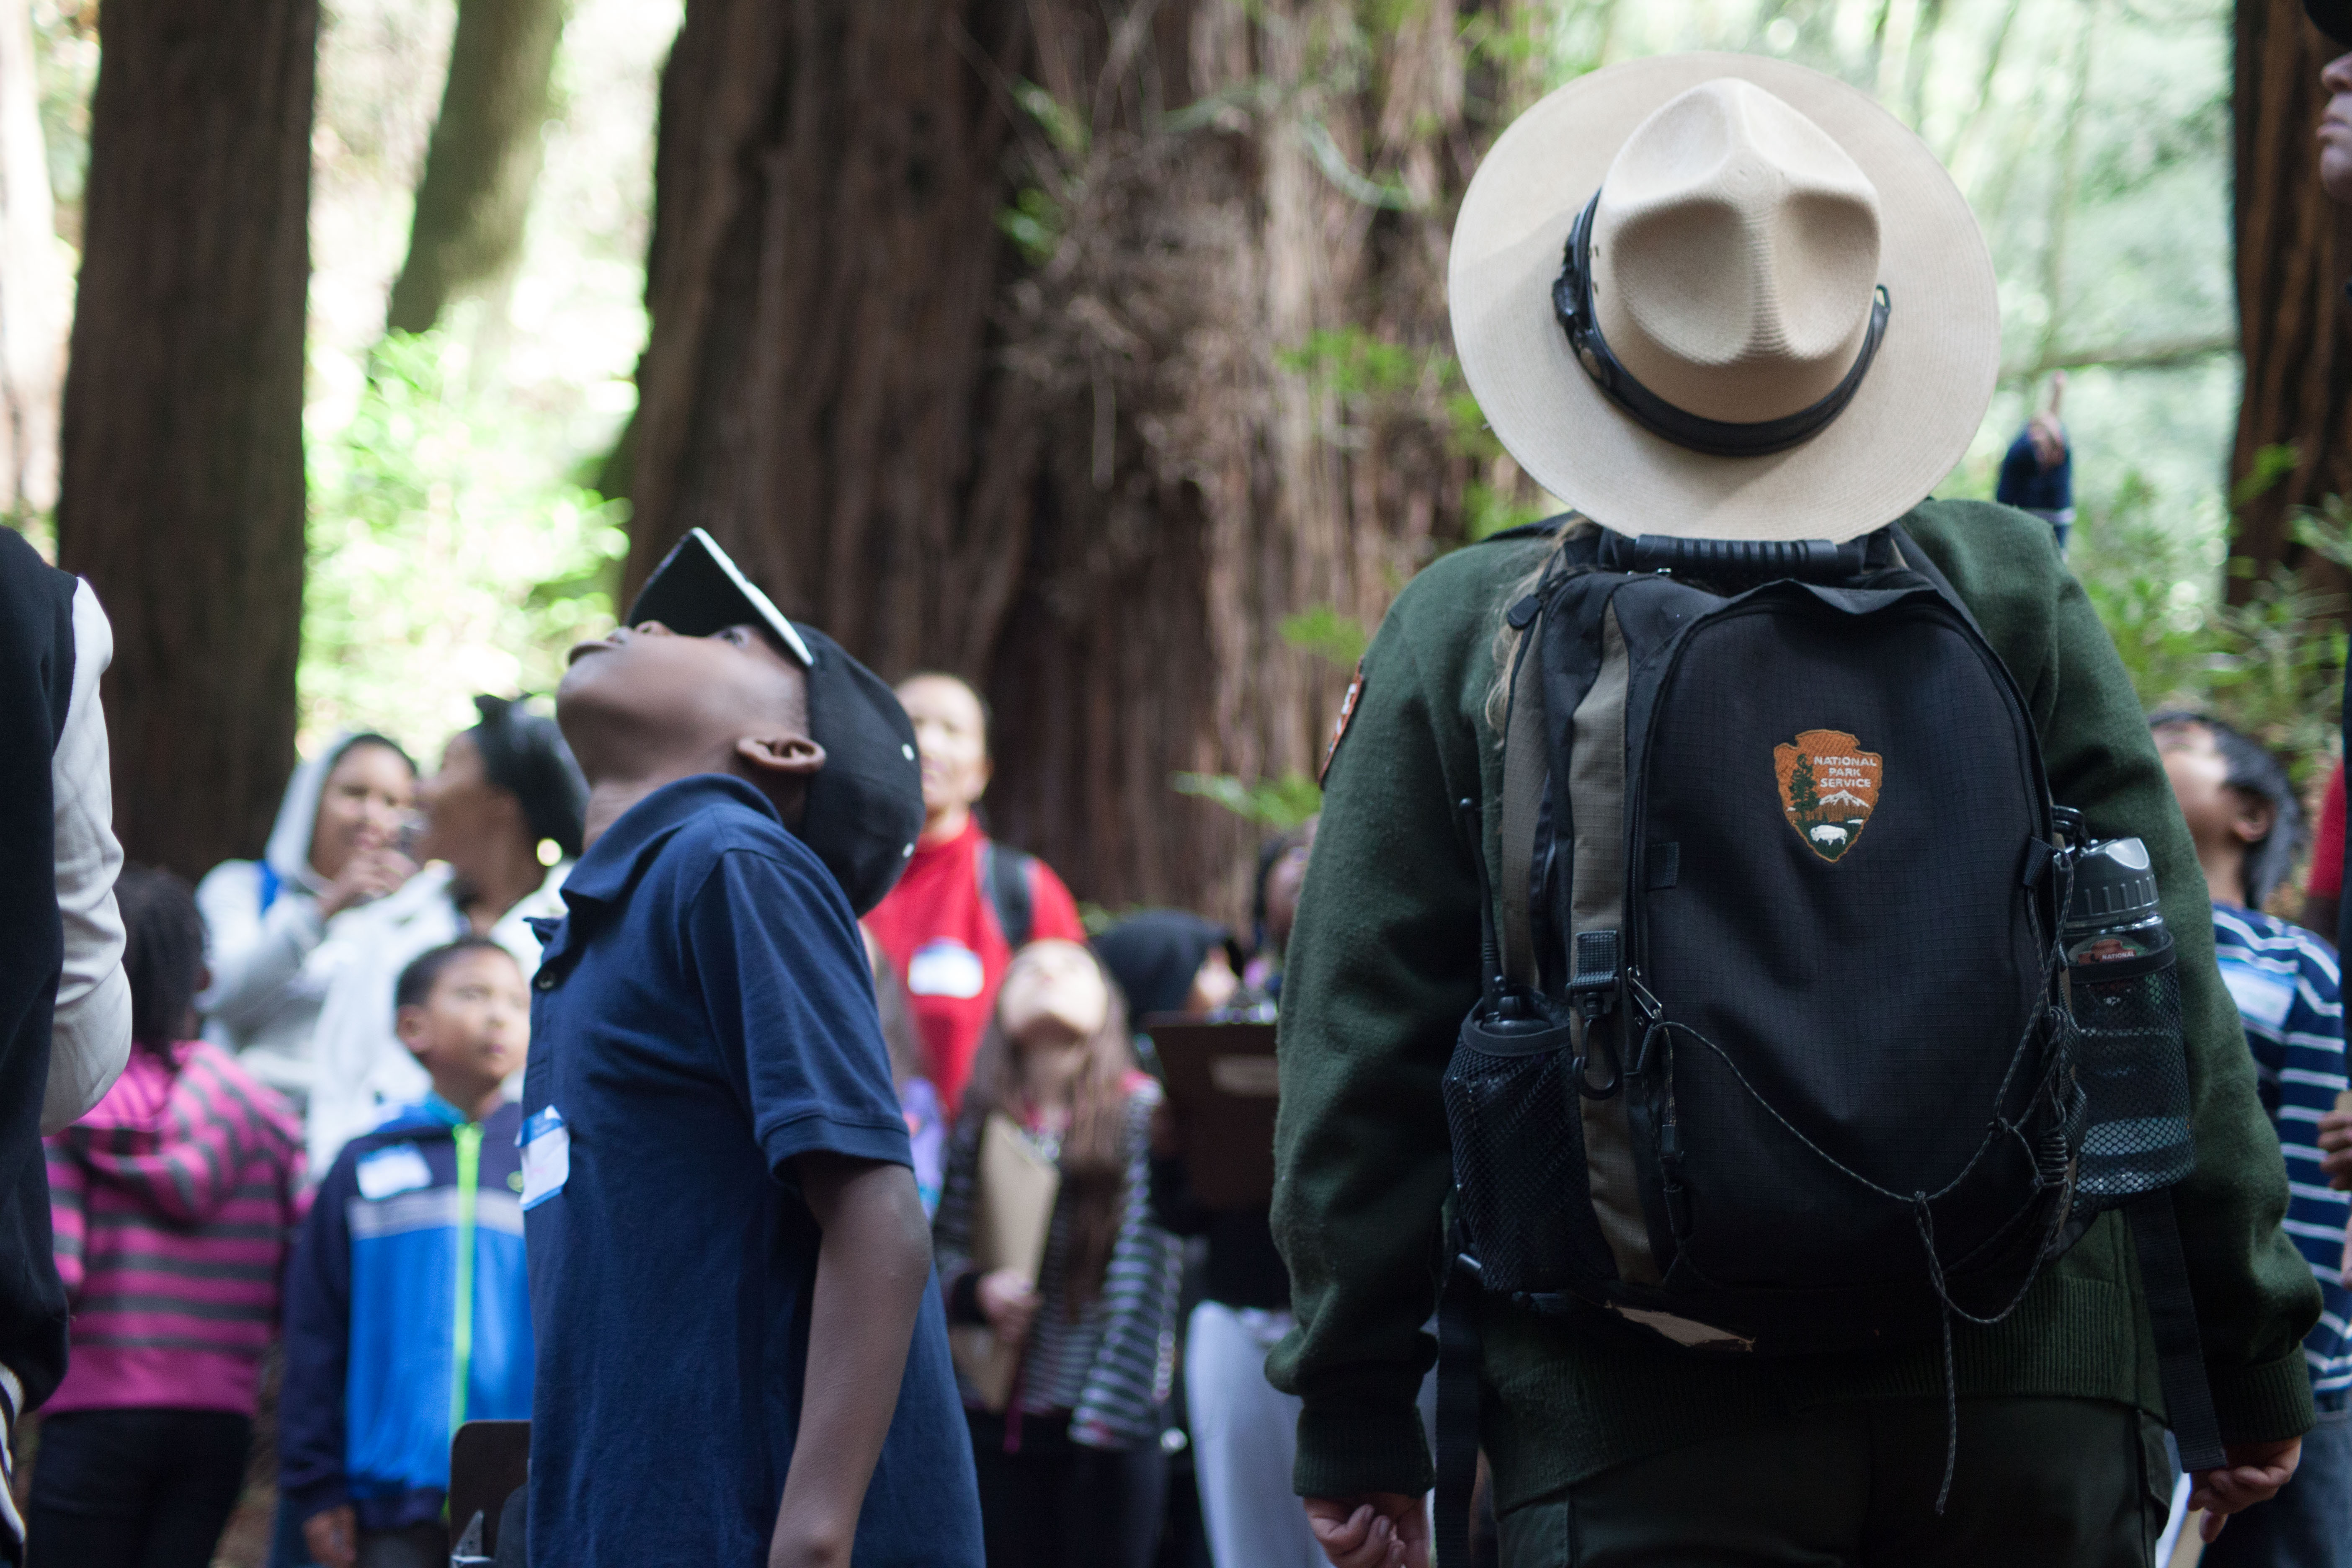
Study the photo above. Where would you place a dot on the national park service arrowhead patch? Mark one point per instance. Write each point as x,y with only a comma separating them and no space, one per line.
1829,787
1346,717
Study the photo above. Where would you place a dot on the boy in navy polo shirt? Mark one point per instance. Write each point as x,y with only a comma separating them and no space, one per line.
743,1357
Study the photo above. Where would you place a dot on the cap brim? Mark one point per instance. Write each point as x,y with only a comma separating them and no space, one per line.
698,589
1911,421
866,804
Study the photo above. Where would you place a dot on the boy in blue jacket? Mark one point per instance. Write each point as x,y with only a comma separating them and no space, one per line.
407,1304
742,1353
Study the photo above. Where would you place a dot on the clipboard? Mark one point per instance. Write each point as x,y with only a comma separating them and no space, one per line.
1220,1081
1012,1212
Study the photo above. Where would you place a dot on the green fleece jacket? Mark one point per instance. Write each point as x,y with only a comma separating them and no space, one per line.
1383,965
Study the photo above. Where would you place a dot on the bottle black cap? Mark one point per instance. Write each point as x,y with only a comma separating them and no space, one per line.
2113,886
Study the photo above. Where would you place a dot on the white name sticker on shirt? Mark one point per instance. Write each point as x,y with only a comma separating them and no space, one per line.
399,1169
546,1157
944,968
2265,998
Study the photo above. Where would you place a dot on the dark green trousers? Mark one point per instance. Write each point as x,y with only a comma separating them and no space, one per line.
2042,1483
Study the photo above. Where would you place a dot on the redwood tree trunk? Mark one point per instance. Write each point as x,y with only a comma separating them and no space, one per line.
1094,471
483,160
34,289
183,492
2295,254
824,257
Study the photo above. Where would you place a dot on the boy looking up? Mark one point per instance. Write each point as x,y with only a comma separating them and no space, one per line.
742,1353
408,1310
2242,817
967,904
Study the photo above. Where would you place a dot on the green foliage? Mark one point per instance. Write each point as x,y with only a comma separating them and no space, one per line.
1034,222
2272,463
1353,364
1328,635
1279,804
1058,120
442,561
1488,511
2272,667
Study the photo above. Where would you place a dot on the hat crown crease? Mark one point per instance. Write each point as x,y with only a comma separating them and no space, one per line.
1735,255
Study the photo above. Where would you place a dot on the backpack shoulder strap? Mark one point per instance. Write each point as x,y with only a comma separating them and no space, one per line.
1912,558
2172,1317
1004,883
1526,770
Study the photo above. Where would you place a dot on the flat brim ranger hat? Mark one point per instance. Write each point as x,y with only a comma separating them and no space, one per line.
1719,295
865,806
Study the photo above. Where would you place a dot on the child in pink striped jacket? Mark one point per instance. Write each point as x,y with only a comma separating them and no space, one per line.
173,1202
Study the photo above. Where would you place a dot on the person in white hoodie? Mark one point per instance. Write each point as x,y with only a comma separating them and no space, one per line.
274,928
503,819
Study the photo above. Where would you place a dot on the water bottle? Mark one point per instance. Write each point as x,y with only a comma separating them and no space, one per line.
2114,912
2131,1059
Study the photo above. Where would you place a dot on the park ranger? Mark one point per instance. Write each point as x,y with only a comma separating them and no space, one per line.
1734,305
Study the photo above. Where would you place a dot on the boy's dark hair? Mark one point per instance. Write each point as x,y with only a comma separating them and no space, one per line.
1270,854
415,987
2254,772
162,955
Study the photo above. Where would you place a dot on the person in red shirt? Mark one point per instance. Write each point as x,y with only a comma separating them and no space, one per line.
951,926
2322,895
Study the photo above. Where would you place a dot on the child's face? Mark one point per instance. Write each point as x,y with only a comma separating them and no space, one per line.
474,1028
1054,995
645,700
2219,817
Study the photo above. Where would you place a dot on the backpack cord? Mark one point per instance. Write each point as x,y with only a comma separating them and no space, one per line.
1918,1201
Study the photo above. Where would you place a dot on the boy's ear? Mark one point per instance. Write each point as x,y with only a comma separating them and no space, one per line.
783,756
409,1025
2254,819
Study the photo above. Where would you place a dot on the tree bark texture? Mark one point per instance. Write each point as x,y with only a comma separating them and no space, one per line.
483,158
2294,256
33,289
1095,471
183,487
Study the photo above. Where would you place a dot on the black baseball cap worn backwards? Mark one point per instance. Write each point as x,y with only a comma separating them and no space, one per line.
866,804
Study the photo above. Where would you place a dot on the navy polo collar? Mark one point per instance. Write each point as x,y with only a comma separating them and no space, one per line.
612,863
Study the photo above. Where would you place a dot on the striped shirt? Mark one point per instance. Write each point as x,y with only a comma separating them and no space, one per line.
174,1201
2286,983
1111,1364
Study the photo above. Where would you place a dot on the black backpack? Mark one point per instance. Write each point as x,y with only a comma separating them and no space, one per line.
1004,882
1775,1054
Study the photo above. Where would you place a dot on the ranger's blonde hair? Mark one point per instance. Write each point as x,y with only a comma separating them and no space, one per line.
1575,525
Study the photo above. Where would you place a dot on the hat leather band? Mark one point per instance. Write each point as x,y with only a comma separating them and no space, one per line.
1571,302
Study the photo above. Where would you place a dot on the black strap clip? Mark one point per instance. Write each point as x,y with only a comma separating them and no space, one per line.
1592,989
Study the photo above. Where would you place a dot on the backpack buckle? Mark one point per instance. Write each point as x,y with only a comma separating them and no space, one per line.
1592,989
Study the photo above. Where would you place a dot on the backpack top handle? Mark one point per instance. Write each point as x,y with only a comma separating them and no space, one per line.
1753,560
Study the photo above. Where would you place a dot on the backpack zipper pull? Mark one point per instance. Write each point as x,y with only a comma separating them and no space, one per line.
1646,1004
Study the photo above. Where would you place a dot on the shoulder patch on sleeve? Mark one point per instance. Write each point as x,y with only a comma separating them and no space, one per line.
1347,715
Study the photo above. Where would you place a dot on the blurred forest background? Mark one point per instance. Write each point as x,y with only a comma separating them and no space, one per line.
1093,349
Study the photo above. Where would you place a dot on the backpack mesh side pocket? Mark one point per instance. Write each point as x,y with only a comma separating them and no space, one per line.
2131,1062
1522,1195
